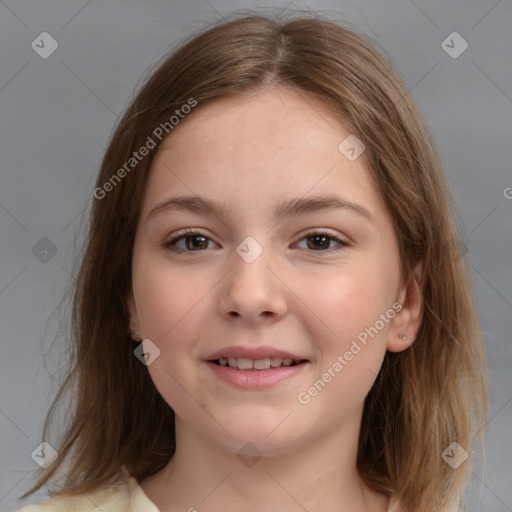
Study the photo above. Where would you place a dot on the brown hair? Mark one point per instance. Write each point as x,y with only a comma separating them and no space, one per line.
424,398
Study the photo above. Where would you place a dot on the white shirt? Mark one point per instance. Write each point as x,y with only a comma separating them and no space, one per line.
126,496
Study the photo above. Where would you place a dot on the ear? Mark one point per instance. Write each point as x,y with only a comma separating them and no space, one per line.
134,324
408,321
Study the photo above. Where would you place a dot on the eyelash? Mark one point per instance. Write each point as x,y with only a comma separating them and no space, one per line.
171,243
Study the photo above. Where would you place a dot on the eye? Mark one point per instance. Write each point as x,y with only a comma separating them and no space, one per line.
321,241
188,241
194,241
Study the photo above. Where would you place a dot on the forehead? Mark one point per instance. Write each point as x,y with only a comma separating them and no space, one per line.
283,117
259,147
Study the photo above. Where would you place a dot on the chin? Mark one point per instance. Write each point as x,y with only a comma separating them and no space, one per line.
255,436
249,446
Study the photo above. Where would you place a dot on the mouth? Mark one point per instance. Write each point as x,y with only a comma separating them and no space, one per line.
251,367
262,364
254,368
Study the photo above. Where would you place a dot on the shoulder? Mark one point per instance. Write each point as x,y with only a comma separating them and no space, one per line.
125,496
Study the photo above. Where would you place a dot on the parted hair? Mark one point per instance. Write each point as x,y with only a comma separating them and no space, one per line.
424,398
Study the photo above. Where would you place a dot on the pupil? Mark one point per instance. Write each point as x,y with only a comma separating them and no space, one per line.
324,240
198,242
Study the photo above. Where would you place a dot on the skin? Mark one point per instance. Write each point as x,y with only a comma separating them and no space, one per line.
253,152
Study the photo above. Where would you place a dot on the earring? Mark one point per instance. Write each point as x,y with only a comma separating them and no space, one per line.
131,333
403,336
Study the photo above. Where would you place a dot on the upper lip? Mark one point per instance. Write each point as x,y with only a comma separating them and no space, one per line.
253,353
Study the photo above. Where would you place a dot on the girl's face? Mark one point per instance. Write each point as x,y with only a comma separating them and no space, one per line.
261,241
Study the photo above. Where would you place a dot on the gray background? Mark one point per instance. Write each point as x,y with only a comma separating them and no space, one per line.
57,114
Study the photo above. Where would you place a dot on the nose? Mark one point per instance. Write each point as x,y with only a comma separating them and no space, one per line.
252,293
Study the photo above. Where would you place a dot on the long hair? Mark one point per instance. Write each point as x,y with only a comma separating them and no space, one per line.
424,399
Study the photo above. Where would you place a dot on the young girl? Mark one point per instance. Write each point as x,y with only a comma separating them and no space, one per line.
272,310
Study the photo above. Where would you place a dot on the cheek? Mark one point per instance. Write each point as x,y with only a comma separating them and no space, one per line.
348,301
167,298
354,305
170,304
351,346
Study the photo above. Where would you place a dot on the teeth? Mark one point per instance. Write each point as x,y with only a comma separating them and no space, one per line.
262,364
243,363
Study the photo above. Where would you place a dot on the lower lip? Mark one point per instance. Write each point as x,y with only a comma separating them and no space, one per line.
255,379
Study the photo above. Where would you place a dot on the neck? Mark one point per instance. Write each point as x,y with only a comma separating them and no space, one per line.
319,475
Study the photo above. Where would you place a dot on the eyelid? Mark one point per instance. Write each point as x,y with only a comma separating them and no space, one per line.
187,231
323,231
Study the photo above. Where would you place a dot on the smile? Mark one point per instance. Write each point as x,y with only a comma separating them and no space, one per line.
246,364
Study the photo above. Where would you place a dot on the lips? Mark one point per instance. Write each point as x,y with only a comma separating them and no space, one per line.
255,367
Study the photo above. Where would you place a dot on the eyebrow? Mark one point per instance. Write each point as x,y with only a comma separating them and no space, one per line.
285,208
